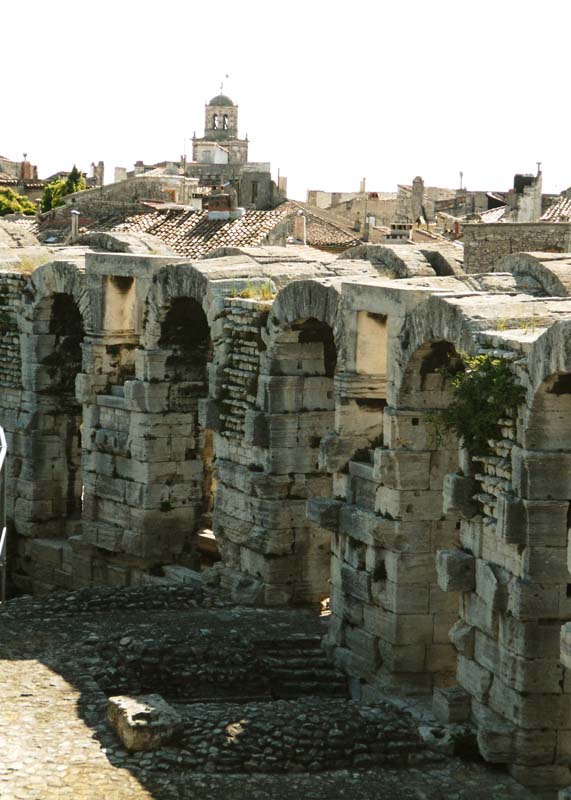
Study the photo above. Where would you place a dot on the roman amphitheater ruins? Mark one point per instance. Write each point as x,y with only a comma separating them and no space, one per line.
285,406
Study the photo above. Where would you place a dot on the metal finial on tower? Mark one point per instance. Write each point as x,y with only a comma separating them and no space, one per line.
222,84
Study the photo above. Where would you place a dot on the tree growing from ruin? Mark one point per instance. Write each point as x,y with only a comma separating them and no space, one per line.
484,392
13,203
55,191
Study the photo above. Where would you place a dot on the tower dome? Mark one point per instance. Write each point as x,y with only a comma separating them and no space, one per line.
221,100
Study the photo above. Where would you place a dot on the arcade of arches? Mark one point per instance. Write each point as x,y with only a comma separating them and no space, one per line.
278,423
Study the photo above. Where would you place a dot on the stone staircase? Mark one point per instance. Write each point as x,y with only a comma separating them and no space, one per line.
298,667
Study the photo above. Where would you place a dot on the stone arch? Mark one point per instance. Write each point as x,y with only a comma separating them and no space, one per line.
303,300
521,595
272,541
170,283
436,320
398,261
176,355
544,274
57,277
49,488
414,467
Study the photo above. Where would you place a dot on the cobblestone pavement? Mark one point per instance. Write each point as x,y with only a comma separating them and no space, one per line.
55,744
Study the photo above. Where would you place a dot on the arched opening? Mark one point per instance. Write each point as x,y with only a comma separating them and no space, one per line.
417,455
61,417
63,364
302,364
185,337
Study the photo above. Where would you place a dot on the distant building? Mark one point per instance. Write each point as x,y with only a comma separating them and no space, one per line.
22,177
220,158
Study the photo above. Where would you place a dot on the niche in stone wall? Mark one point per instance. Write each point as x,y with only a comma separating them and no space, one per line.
371,352
119,304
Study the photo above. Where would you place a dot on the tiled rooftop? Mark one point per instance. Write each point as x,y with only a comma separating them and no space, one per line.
560,211
190,233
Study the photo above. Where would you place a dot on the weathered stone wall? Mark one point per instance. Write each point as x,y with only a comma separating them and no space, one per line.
302,428
485,244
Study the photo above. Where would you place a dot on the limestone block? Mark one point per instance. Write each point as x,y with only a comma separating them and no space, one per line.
512,522
142,723
473,678
48,551
492,584
564,794
412,430
443,624
364,646
530,711
410,568
402,469
209,414
402,598
147,397
324,512
451,705
458,495
150,364
530,639
375,561
402,658
541,475
547,564
527,600
442,463
271,570
540,775
277,394
440,658
348,608
442,602
478,613
406,628
471,535
350,663
456,571
336,450
409,505
356,583
500,742
246,589
529,676
354,554
566,645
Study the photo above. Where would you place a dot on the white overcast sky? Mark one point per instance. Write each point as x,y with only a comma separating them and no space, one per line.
328,92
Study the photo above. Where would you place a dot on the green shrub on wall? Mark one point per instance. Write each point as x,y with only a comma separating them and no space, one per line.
13,203
484,392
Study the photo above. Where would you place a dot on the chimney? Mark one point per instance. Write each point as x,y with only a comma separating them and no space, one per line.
139,168
100,174
120,174
26,171
300,227
362,185
74,226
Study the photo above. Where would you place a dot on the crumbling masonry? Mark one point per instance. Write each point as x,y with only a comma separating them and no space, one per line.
291,406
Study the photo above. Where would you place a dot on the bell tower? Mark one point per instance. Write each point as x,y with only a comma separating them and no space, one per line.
221,128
